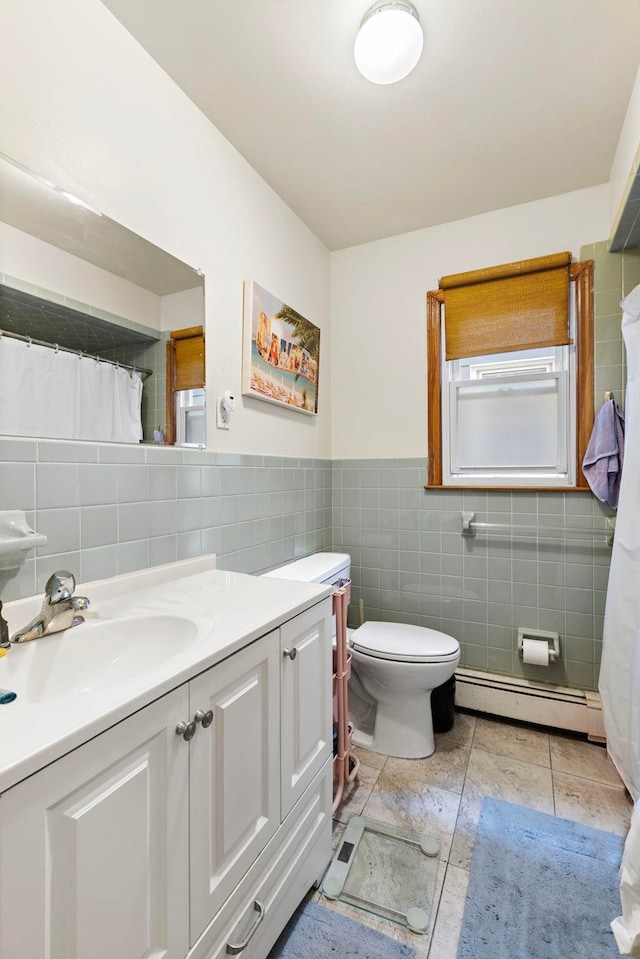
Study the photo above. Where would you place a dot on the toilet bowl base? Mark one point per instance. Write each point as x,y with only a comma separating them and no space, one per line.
403,729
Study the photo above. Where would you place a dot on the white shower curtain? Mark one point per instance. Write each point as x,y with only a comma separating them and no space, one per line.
620,669
48,392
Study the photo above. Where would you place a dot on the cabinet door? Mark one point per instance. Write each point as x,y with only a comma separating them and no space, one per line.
93,848
306,700
235,773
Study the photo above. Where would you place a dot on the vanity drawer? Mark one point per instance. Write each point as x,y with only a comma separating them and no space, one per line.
286,869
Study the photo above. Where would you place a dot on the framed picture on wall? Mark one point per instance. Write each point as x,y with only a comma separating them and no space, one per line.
281,352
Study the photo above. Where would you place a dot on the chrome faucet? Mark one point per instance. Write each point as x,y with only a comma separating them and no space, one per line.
60,609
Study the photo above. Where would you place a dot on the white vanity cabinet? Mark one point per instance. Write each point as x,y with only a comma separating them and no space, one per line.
94,849
234,773
307,713
157,840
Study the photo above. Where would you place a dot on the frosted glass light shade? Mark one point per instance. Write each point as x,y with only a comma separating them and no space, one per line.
389,42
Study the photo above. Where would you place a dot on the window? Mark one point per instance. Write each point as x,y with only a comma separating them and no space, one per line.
510,375
190,418
185,388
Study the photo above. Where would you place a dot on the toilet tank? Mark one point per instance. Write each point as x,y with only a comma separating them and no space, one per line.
317,568
330,568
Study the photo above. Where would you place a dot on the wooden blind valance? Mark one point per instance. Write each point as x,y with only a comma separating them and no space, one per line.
189,358
515,306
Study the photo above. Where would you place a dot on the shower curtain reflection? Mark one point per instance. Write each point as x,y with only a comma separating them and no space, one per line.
51,393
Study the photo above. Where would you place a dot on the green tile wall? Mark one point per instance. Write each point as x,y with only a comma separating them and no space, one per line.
615,275
109,509
411,564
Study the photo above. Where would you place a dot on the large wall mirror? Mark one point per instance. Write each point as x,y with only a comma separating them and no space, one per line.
88,313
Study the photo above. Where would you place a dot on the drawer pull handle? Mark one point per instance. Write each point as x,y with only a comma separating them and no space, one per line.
186,730
234,948
291,653
205,718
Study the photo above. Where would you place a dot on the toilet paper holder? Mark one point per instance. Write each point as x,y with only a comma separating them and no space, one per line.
553,639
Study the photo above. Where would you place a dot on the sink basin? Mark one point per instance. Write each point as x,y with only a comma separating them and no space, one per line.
103,653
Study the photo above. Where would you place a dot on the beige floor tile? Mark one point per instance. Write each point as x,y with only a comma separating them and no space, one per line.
445,768
580,758
513,741
462,731
444,942
464,836
594,804
356,793
524,766
369,758
511,780
410,803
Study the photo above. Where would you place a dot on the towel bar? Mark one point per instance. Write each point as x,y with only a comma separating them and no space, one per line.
470,526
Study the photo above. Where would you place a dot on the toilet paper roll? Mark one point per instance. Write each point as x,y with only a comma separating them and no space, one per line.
535,651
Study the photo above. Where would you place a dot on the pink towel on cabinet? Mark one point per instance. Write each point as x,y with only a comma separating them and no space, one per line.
602,464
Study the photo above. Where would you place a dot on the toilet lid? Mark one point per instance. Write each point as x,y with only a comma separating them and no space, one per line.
404,643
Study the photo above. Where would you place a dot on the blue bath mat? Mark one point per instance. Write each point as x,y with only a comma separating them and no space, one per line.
540,888
315,932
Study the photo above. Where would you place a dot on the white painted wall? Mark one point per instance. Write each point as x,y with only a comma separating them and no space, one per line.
27,258
180,310
85,107
627,157
378,311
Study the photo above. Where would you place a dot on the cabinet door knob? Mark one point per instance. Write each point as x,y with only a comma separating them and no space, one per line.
205,718
234,948
186,730
291,653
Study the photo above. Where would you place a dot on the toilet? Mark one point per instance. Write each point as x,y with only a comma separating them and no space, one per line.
395,668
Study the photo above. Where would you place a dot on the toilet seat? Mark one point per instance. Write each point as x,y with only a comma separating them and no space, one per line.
403,643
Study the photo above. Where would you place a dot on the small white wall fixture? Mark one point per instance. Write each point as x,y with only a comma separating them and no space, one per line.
16,538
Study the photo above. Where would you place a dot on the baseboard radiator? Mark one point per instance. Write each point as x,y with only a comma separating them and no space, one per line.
575,710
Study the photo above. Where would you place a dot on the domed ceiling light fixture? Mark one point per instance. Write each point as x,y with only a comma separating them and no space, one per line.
389,42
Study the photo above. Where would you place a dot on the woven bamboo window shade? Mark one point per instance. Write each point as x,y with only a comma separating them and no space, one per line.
516,306
189,358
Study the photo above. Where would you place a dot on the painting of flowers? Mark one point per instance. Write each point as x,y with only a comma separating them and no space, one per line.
281,359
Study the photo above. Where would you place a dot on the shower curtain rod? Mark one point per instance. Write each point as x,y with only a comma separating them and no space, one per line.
469,527
66,349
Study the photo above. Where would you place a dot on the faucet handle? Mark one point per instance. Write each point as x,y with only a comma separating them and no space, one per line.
60,586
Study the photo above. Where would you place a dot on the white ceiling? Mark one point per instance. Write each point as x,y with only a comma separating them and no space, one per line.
513,100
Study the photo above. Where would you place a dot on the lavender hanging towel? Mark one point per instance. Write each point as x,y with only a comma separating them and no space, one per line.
602,464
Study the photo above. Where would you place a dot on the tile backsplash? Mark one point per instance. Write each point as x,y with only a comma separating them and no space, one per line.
109,509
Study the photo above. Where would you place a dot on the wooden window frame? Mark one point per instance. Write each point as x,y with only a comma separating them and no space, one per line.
172,372
582,275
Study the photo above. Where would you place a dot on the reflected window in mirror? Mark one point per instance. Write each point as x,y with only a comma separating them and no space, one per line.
185,387
190,418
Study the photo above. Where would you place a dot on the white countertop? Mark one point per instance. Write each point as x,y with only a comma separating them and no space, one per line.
73,685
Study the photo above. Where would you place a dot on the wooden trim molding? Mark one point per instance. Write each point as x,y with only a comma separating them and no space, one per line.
582,274
170,432
435,299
